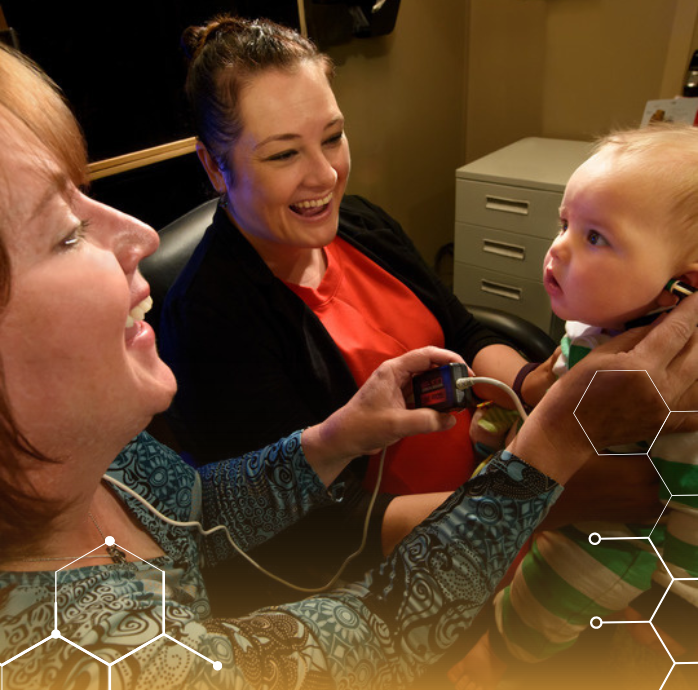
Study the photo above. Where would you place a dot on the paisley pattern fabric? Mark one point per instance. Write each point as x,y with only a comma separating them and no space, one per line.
378,633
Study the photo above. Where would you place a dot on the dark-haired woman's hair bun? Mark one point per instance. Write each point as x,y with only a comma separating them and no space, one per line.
224,55
194,38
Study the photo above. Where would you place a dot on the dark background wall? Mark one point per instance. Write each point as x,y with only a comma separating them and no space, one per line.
122,69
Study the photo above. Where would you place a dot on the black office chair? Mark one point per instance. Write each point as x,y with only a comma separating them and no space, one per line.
178,240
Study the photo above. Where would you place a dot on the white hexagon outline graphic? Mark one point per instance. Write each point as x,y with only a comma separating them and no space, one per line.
595,538
616,371
56,634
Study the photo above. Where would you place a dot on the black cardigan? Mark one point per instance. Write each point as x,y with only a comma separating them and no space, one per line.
254,363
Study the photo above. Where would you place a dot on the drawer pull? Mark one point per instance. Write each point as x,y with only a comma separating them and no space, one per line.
500,203
501,290
510,251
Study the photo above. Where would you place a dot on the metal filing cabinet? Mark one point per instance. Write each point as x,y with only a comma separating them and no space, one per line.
506,217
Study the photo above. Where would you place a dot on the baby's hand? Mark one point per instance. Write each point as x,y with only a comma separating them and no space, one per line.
536,384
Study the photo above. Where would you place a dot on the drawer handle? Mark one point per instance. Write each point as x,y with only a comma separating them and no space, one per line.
501,290
510,251
500,203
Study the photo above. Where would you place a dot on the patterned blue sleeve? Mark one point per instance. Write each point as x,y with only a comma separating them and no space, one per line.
255,496
385,630
259,494
405,614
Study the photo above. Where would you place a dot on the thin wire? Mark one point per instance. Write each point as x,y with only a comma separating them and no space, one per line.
247,557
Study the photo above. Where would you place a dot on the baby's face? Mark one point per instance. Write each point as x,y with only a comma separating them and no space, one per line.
614,253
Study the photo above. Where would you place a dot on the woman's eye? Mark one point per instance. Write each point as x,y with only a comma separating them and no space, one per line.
335,138
76,235
596,239
282,156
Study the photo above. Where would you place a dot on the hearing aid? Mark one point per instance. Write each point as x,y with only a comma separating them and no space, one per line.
681,290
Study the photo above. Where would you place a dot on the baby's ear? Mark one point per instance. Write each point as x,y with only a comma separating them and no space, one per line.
690,277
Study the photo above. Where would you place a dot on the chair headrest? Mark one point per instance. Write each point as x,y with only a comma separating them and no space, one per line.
178,240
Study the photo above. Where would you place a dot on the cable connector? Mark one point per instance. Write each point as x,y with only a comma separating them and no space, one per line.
470,381
465,383
448,388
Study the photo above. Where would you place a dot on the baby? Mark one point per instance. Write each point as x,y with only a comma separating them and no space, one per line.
628,225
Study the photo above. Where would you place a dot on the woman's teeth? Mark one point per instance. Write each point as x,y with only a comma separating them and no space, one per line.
139,311
314,203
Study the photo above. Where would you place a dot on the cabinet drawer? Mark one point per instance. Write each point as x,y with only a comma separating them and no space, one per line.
499,250
525,298
519,209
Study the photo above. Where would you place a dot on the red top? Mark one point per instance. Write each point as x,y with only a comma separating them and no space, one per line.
372,317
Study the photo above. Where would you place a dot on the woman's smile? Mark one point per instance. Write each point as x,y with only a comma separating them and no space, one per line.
137,330
312,207
138,312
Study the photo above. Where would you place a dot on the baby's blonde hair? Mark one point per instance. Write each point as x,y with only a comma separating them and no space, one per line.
670,150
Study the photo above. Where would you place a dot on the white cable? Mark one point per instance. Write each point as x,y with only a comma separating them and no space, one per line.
470,381
212,530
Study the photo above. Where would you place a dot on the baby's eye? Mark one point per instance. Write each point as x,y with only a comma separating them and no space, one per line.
562,225
76,235
596,239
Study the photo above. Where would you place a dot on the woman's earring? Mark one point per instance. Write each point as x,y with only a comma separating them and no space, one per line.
224,200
